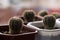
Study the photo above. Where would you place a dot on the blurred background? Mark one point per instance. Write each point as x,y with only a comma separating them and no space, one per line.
9,8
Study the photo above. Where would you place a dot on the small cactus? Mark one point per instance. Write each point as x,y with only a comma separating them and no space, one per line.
56,15
29,15
49,21
15,25
43,13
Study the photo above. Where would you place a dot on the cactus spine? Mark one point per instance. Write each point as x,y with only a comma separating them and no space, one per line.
43,13
49,21
15,25
29,15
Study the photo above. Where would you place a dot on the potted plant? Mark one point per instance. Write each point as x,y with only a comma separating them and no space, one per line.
29,16
16,30
46,28
56,14
43,13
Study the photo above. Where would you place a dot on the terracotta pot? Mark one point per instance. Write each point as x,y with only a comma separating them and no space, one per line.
29,35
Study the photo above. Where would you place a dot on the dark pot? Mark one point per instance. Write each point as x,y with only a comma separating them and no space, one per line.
38,18
29,35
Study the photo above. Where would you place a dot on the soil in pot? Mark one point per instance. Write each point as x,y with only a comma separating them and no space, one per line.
26,34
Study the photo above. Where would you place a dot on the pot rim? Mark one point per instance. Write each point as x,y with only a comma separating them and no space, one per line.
18,34
3,24
27,33
57,20
46,30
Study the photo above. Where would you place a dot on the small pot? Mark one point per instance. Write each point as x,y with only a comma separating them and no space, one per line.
28,34
44,34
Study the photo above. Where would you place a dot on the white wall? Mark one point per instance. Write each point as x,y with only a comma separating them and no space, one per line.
50,3
19,4
4,3
25,3
31,3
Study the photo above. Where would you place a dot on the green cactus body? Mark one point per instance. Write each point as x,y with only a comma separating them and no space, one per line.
15,25
43,13
29,16
49,21
56,15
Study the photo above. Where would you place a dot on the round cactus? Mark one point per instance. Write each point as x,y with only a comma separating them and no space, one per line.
43,13
49,21
29,15
56,15
15,25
